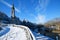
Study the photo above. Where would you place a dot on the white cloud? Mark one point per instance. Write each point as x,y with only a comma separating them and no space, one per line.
41,6
9,5
40,18
6,3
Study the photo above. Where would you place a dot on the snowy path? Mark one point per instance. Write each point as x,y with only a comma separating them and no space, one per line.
17,33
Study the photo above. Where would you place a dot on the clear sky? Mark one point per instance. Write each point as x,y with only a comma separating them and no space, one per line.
36,11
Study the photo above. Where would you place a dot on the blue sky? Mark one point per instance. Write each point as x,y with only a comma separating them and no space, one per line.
36,11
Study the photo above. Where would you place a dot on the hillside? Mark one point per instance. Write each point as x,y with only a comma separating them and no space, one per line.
55,24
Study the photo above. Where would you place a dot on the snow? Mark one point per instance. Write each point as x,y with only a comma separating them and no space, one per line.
4,30
39,36
18,33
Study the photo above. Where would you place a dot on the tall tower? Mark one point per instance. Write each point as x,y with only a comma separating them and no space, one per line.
13,12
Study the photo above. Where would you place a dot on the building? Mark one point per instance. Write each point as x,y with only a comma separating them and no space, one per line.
14,19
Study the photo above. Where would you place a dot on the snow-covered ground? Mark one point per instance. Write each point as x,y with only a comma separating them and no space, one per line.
17,33
39,36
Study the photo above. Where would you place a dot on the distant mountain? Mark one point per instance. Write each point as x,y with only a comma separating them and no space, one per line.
54,22
4,18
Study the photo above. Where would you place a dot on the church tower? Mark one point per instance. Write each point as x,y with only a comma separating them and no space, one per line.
13,12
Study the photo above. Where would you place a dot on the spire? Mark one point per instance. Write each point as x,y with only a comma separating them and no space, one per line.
13,12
